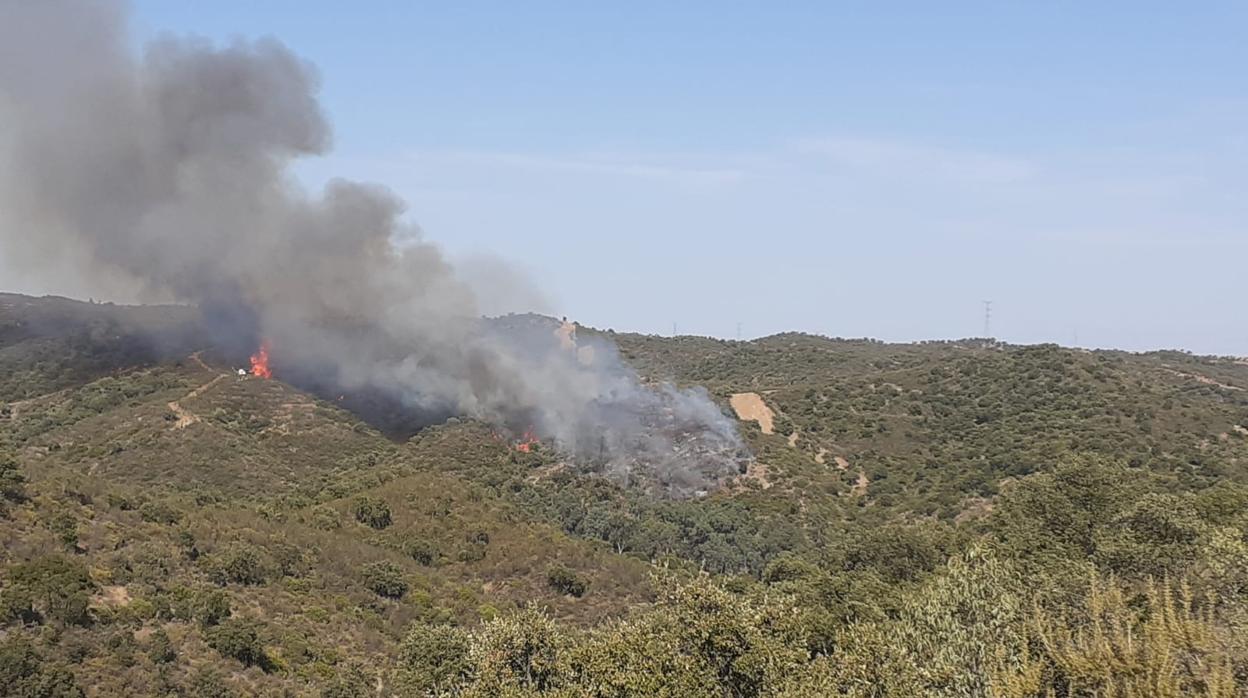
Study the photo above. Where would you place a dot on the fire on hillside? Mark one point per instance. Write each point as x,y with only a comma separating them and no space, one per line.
260,362
527,441
172,171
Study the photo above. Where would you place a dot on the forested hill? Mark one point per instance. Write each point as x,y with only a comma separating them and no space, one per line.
946,518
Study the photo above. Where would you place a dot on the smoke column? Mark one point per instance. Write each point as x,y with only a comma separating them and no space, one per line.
169,174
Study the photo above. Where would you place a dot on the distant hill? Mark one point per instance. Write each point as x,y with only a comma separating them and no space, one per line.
171,527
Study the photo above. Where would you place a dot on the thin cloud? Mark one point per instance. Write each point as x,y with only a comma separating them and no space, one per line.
604,165
896,159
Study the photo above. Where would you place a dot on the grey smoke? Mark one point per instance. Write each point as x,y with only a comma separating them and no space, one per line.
169,175
499,287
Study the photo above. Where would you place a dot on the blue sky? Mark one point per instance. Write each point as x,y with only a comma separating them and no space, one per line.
852,169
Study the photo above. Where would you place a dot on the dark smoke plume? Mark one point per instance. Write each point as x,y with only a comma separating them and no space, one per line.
169,175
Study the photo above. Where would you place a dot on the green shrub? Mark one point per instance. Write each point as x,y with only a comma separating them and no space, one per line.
371,511
349,682
17,661
289,559
60,587
326,518
423,551
241,564
159,648
788,567
211,607
433,659
565,581
238,639
520,650
385,579
186,541
120,502
207,683
159,512
12,482
17,604
23,673
120,645
65,526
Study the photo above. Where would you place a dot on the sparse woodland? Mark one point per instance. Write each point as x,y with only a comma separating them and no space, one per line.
941,519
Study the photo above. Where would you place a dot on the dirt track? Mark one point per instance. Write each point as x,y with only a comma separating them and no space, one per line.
185,417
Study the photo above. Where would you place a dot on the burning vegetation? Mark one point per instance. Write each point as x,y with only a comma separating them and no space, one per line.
260,362
527,441
673,442
350,298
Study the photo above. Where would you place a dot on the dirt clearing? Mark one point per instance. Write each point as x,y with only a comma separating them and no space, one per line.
751,408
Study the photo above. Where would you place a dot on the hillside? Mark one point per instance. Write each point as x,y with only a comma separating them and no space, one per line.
170,527
169,482
934,424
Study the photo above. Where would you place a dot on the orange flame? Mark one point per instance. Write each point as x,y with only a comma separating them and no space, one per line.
527,441
260,362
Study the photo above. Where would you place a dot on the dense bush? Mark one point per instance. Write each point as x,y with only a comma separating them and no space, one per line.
371,511
24,674
433,659
473,552
241,564
12,482
385,579
159,648
208,683
65,526
55,588
159,512
326,518
238,639
423,551
211,607
1114,643
349,681
565,581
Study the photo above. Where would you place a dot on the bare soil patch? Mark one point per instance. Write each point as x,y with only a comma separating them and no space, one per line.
751,408
861,485
112,596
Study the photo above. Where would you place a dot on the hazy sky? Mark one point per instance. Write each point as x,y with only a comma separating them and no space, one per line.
828,167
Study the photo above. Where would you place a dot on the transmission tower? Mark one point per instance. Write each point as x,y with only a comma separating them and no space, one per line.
987,319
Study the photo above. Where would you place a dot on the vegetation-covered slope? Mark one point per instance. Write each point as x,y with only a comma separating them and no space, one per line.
935,519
